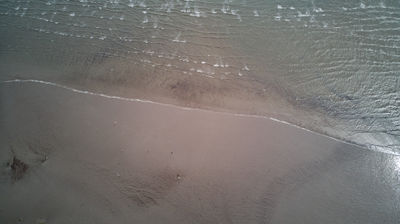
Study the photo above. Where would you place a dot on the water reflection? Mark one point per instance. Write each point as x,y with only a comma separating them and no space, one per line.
330,66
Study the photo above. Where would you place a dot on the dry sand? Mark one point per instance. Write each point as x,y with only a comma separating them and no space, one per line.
92,159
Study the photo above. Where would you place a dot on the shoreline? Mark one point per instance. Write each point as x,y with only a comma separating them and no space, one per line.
94,159
197,109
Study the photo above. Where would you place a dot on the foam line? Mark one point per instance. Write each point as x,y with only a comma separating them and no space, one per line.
192,109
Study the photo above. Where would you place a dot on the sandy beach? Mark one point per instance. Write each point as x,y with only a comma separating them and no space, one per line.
70,157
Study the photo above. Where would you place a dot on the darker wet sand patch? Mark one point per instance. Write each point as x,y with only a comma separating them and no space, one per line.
18,168
25,155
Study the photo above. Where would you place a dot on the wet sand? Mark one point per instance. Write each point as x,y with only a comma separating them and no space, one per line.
93,159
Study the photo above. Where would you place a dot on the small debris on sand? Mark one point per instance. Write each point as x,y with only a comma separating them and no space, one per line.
44,159
18,168
178,177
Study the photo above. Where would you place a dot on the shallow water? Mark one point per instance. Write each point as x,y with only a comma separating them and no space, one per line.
335,62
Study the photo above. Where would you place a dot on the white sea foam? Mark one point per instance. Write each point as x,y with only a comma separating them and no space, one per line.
177,38
145,19
255,12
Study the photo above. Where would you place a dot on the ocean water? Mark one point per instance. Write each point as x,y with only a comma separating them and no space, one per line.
329,66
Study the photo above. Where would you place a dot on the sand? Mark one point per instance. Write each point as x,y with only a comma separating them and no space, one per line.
93,159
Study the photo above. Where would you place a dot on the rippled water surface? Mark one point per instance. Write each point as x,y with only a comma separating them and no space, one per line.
334,64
